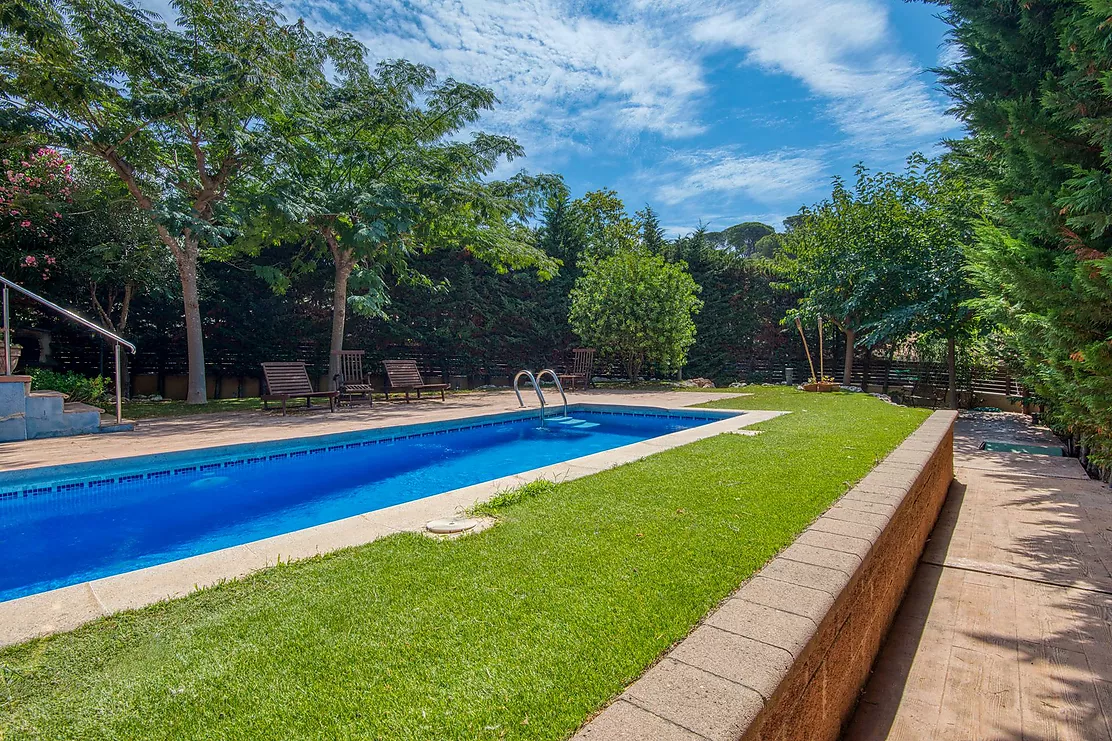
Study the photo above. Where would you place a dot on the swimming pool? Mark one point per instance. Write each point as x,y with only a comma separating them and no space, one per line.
66,525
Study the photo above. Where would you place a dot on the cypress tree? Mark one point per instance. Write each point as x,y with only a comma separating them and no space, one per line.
1033,86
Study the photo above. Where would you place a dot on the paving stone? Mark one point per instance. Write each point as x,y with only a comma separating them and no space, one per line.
624,721
759,666
845,562
883,484
47,612
765,624
857,516
851,528
135,589
893,475
891,497
827,580
835,542
857,505
696,700
793,598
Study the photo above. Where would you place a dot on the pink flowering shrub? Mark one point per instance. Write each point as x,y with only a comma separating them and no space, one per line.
30,191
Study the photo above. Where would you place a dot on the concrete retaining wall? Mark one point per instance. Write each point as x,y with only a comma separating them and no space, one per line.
786,655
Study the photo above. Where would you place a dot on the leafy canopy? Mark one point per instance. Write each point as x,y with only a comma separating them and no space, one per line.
177,112
638,308
377,175
886,258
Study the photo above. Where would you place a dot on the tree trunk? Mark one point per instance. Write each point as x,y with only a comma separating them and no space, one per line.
185,251
342,259
951,362
847,369
194,338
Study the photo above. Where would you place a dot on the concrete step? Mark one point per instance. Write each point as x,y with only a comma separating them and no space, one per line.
78,407
44,404
75,418
27,414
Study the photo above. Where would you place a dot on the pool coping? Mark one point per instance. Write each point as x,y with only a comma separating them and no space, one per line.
66,608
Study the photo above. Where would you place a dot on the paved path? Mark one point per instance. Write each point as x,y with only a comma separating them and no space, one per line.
206,430
1006,632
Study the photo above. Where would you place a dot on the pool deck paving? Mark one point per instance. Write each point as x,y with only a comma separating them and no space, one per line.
69,607
1006,630
170,434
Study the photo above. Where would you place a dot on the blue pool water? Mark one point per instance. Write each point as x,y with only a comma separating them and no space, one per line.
144,511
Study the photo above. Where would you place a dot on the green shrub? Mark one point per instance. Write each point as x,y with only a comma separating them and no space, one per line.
76,386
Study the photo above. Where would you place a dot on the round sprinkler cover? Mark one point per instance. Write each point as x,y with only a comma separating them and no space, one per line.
450,525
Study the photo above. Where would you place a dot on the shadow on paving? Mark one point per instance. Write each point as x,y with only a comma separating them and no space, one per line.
1006,630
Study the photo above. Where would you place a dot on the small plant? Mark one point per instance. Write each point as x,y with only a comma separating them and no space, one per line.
503,499
74,385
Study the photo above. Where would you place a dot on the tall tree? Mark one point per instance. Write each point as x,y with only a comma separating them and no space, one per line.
1033,86
942,206
850,256
652,234
741,238
378,177
179,113
741,310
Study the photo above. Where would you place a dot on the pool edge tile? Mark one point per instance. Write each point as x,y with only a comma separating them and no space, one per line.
134,589
55,611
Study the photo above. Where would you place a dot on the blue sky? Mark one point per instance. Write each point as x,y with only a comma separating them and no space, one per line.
712,111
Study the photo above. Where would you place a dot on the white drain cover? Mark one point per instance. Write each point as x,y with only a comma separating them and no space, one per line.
450,525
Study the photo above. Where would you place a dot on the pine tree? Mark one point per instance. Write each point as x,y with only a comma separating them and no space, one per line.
652,235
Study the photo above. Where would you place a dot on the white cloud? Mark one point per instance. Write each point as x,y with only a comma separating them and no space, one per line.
773,178
841,50
950,55
561,74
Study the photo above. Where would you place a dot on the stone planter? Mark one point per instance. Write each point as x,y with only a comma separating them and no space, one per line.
16,352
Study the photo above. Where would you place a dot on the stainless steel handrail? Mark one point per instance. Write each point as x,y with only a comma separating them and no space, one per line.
7,284
536,387
559,386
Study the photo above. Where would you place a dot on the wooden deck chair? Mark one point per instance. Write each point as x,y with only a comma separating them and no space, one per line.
403,376
285,381
351,381
583,361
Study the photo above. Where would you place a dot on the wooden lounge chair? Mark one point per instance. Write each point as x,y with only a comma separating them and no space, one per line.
351,381
285,381
583,360
402,375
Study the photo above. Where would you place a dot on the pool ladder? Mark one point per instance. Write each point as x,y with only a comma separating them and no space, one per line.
535,381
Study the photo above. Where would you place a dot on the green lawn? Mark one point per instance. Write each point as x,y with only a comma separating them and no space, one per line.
518,632
174,408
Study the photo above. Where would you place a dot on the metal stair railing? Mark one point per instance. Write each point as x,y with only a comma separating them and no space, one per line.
559,386
116,339
536,387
